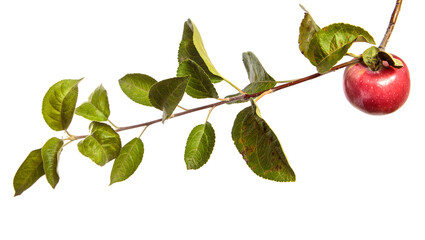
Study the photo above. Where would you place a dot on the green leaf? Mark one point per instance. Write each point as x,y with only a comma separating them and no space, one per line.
260,147
136,86
308,28
97,107
29,172
256,87
50,153
374,58
199,146
259,79
166,95
128,161
392,61
199,85
102,145
192,47
330,44
59,104
371,59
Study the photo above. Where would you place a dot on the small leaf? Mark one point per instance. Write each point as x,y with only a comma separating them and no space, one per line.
308,28
29,172
375,59
330,44
260,147
259,78
50,153
128,161
97,107
59,104
394,62
136,86
199,146
199,85
166,95
102,145
371,59
192,47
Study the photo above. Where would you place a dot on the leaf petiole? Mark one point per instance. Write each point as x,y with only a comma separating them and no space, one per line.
263,94
353,55
234,86
70,141
144,129
209,113
113,125
287,81
185,109
70,136
223,99
67,133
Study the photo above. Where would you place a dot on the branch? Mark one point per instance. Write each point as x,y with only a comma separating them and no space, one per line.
391,25
382,47
232,99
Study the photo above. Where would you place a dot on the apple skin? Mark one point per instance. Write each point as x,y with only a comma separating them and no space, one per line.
377,92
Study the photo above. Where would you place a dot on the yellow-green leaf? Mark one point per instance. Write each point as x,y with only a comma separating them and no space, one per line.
102,145
59,104
128,161
192,47
97,107
136,86
29,172
50,153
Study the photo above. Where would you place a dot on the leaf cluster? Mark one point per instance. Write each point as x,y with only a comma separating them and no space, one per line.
195,76
324,47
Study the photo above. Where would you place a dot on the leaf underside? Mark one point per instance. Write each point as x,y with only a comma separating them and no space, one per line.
259,79
260,147
128,161
307,30
199,146
192,47
50,153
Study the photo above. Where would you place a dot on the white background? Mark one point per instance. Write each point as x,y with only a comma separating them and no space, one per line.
358,176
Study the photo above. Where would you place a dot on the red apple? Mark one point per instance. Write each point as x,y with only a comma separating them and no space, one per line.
377,92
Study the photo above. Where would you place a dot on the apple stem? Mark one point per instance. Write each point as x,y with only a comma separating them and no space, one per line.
391,25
